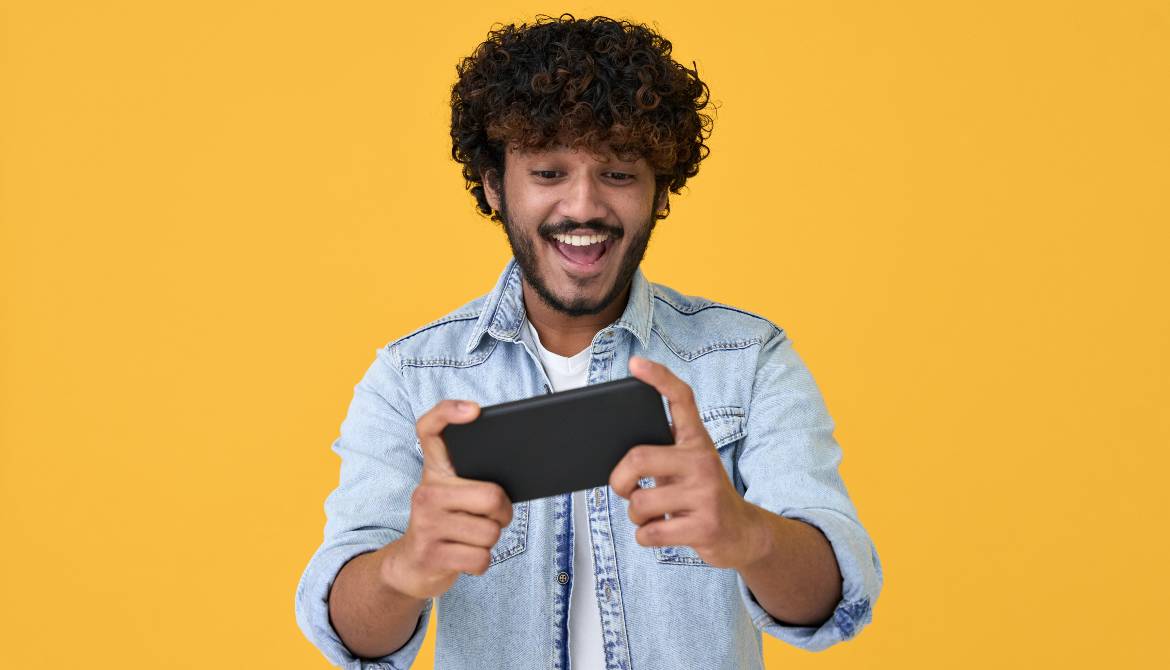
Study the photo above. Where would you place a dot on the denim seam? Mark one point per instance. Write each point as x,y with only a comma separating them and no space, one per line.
450,362
689,356
709,304
466,316
520,533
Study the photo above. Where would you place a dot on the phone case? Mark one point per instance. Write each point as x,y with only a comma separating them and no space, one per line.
558,442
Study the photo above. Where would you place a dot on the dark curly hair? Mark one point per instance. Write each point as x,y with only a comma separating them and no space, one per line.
581,83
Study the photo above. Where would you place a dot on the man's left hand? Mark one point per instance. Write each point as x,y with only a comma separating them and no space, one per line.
706,512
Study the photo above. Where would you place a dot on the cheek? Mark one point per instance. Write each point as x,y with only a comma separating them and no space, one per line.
531,210
636,206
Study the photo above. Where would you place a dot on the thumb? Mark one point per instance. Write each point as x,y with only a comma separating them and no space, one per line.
430,430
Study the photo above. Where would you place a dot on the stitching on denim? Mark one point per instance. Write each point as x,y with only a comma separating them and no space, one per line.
465,316
519,533
677,555
727,417
722,411
709,304
714,346
451,362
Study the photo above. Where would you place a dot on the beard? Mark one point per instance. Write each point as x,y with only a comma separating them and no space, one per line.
524,248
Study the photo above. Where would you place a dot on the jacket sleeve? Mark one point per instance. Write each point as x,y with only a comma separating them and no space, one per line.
788,465
380,468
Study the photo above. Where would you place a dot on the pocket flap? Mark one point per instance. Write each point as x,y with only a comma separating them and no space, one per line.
725,424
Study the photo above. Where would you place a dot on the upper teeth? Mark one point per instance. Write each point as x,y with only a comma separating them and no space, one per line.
580,240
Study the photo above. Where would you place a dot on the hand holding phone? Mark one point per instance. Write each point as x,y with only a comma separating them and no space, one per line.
560,442
454,522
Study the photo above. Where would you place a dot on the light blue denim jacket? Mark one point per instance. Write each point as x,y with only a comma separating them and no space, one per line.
661,607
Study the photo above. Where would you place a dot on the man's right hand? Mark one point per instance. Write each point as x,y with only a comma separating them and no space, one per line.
454,522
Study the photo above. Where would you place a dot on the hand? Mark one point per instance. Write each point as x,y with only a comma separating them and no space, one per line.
706,512
454,522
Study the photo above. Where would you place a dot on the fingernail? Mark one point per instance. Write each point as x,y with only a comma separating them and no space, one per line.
465,407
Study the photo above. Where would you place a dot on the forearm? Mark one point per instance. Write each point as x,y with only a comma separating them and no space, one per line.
372,618
796,579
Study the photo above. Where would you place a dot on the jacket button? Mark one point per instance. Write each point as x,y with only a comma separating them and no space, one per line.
563,577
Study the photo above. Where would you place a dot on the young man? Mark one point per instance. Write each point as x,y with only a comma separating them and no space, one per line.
571,133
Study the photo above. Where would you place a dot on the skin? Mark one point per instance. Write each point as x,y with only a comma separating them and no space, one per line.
376,601
557,191
788,565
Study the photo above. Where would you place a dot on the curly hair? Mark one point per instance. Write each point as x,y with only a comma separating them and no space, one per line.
580,83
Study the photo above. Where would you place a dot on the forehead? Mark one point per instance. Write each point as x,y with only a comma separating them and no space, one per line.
561,151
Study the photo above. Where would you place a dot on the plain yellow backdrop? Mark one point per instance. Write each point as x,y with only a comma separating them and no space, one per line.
214,212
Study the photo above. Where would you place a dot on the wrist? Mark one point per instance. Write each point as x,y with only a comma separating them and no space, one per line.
390,564
761,537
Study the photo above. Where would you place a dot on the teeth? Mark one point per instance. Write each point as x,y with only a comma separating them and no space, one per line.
580,240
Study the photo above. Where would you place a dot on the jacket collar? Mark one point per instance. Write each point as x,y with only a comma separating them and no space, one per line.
503,311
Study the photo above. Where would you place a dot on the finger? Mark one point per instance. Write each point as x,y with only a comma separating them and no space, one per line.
486,499
470,529
462,557
645,460
649,504
677,530
684,413
430,426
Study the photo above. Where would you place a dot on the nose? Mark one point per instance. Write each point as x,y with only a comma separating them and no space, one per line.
583,200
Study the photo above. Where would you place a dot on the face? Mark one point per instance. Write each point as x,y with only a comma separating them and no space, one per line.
558,192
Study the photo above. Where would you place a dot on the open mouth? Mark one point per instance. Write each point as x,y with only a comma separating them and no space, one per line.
583,258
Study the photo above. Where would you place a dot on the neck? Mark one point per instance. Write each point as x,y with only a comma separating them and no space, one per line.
568,335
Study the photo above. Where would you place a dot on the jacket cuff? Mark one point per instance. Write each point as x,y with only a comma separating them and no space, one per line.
861,574
312,611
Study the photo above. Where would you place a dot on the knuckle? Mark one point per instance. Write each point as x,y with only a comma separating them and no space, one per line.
637,457
647,534
501,496
422,496
490,495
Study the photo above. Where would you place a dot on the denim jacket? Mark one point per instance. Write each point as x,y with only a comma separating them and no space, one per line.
661,607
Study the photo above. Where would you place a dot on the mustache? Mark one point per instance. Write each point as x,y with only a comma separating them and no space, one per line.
568,227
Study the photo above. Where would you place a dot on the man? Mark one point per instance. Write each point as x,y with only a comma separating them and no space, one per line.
571,133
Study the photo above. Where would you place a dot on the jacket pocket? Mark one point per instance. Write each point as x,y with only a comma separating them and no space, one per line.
514,536
725,424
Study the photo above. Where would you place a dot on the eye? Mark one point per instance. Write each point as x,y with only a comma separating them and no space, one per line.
546,174
622,176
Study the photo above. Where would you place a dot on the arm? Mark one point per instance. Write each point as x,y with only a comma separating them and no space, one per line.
789,529
369,588
367,511
796,579
371,616
788,464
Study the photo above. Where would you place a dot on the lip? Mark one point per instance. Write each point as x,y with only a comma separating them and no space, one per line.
587,269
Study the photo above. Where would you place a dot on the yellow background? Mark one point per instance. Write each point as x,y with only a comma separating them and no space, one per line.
214,212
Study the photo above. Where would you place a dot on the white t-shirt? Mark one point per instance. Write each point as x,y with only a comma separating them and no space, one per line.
585,647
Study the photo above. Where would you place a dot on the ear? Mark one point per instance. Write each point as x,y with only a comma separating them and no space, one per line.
490,182
662,200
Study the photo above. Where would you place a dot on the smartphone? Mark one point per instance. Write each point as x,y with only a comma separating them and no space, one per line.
559,442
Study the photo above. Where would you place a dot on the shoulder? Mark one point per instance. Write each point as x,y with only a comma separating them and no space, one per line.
444,337
692,325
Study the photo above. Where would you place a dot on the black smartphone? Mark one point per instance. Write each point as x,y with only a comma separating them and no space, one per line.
558,442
